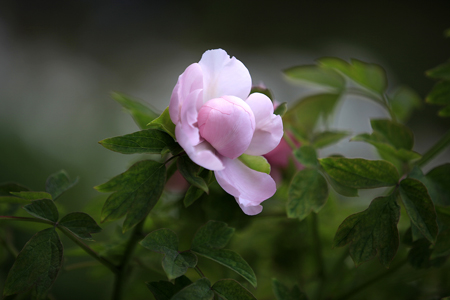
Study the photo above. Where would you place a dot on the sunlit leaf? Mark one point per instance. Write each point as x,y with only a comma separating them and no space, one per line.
229,289
358,173
282,292
403,102
316,75
136,192
327,138
164,290
80,224
372,231
199,290
141,113
191,171
163,123
144,141
37,265
308,192
396,134
419,207
306,155
43,209
257,163
58,183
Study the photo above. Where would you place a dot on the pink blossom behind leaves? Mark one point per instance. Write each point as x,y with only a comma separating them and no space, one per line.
217,121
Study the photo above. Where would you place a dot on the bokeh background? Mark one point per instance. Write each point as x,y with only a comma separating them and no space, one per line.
59,61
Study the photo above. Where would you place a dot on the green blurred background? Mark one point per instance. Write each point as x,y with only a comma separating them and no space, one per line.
59,60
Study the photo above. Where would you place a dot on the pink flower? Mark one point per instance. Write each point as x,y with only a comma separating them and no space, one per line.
217,121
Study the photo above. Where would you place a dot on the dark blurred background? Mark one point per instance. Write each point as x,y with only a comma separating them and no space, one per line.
59,60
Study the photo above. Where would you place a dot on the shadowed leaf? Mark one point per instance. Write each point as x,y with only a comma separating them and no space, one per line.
58,183
164,290
229,289
32,195
316,75
194,193
163,123
403,102
281,109
282,292
327,138
43,209
190,172
80,224
306,155
141,113
199,290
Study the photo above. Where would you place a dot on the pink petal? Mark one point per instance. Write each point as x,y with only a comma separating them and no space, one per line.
250,210
190,80
188,118
223,75
228,124
269,127
248,186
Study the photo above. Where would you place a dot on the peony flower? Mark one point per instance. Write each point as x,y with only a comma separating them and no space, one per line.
217,121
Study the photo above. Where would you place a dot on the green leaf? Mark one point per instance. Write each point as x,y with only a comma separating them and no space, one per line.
306,155
257,163
80,224
341,189
229,289
440,94
358,173
164,290
208,242
262,90
282,292
163,123
37,265
372,230
32,195
442,246
370,76
403,102
316,75
304,115
439,179
440,72
396,134
194,193
281,109
199,290
191,171
136,192
43,209
327,138
58,183
144,141
141,114
165,241
419,207
308,192
5,193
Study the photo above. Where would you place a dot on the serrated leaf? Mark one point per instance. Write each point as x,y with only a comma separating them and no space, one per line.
32,195
163,123
282,292
440,72
403,102
80,224
229,289
213,234
257,163
194,193
419,207
141,113
316,75
58,183
136,192
37,265
43,209
327,138
164,290
370,76
281,109
199,290
371,231
144,141
191,171
308,192
165,241
396,134
303,116
358,173
306,155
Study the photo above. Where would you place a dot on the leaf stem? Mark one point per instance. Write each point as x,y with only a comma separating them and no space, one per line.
368,283
120,278
199,272
25,219
435,149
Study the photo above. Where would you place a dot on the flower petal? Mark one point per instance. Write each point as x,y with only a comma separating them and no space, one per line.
190,80
248,186
228,124
269,127
223,75
249,210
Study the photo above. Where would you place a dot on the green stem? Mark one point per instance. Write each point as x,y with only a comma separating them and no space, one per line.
199,272
435,150
25,219
120,278
368,283
88,250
